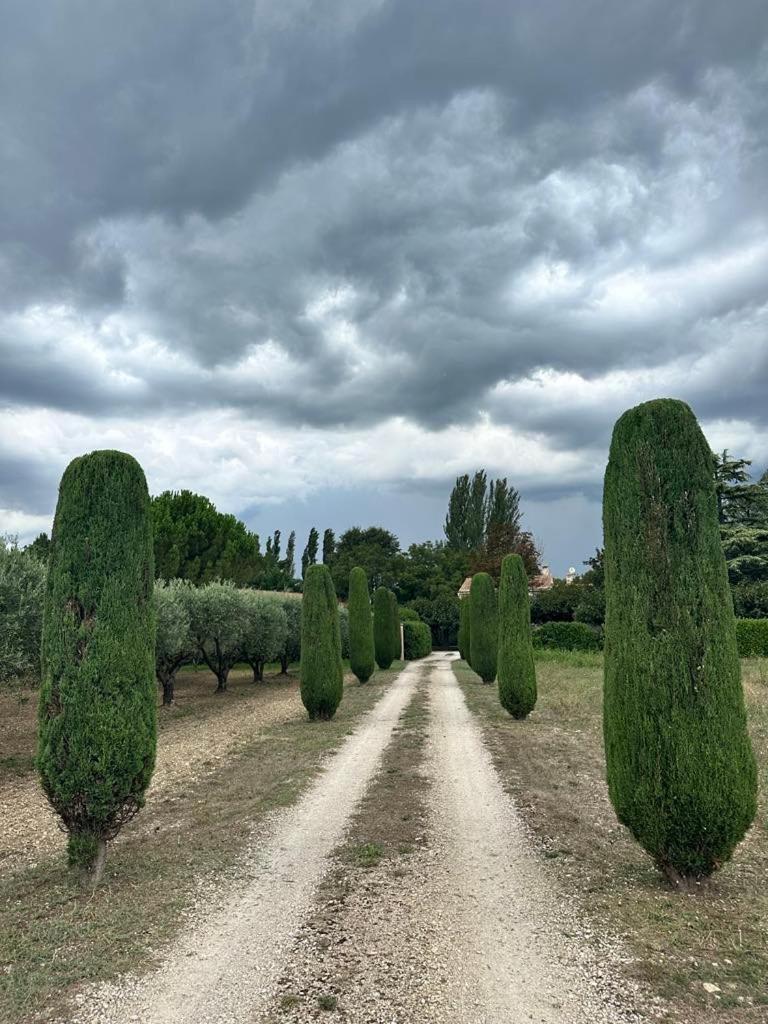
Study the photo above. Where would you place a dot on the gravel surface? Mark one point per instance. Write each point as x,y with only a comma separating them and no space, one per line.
189,750
224,968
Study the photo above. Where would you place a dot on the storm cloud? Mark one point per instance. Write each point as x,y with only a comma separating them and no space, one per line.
268,247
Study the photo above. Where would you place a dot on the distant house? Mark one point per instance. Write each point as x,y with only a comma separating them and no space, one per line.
544,581
571,575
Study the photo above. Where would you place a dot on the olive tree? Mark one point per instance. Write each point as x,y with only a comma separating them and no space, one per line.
265,630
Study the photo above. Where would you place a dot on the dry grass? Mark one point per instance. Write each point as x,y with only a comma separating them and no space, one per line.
54,936
553,765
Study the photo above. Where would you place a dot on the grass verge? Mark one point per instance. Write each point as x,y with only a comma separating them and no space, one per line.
553,765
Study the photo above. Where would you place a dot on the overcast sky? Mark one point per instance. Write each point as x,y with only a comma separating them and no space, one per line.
316,259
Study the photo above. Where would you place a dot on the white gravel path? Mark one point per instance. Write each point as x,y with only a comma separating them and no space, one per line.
224,968
517,953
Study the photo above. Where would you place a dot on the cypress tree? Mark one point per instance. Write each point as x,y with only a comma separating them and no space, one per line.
97,727
464,629
483,627
681,772
516,670
394,614
361,649
382,628
322,677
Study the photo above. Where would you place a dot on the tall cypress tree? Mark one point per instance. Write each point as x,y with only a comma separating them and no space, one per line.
516,669
97,730
483,627
322,676
361,648
383,632
394,613
681,772
464,628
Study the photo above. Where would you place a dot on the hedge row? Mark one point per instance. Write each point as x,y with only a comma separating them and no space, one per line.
417,640
752,637
567,636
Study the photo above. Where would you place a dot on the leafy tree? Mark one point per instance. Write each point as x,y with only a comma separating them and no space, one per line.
195,542
441,613
40,547
739,501
174,646
361,648
374,549
464,628
750,600
265,630
289,563
291,651
516,669
309,557
217,624
329,546
97,723
503,539
322,680
558,604
383,631
503,508
466,521
681,772
483,628
22,592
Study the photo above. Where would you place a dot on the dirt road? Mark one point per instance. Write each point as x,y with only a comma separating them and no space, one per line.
504,947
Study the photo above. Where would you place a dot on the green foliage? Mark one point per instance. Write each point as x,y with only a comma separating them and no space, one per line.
291,651
750,600
276,572
321,670
558,604
752,637
344,631
681,772
40,547
265,628
483,627
329,546
217,623
361,648
97,728
373,549
409,615
746,553
417,640
195,542
397,645
22,591
739,501
516,670
464,629
567,636
383,631
174,646
309,557
467,512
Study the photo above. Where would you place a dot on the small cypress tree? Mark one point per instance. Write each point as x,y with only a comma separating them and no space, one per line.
681,772
97,721
322,676
464,627
382,628
516,669
483,628
394,614
361,649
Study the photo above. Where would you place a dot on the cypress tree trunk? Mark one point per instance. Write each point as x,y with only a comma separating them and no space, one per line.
382,628
681,773
97,723
516,668
483,629
361,647
464,629
322,677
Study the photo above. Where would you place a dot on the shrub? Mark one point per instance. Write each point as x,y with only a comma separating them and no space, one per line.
483,627
516,670
567,636
264,630
409,615
97,726
217,613
22,592
417,639
291,651
464,633
752,637
558,604
361,650
681,773
383,632
174,646
322,677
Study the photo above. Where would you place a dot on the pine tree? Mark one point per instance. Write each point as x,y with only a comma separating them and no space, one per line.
97,729
361,647
464,628
383,633
681,772
516,669
483,627
309,557
322,677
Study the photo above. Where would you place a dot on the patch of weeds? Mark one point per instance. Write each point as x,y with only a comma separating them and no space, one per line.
289,1001
368,855
327,1002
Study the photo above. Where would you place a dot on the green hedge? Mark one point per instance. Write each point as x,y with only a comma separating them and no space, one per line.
409,615
752,637
567,636
417,640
